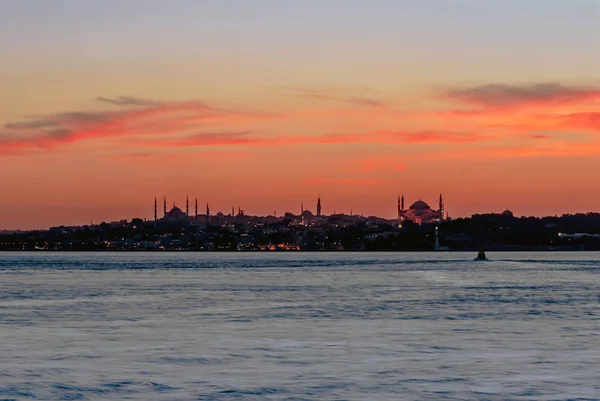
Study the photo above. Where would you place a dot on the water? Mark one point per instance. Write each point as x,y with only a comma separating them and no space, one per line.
343,326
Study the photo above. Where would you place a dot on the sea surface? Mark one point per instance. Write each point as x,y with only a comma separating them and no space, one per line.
299,326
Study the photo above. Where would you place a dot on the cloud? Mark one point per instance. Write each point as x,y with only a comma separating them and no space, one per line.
28,125
365,102
250,138
194,124
149,118
211,139
380,137
532,145
126,101
401,137
180,155
335,95
315,96
140,124
513,110
553,150
583,120
507,95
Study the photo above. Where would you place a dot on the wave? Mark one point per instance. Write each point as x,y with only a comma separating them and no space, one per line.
387,261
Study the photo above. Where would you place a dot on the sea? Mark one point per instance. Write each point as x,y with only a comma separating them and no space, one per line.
299,326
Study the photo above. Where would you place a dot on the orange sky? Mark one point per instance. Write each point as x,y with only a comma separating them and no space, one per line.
529,148
92,127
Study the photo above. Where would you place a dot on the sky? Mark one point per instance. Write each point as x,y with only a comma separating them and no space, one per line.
268,104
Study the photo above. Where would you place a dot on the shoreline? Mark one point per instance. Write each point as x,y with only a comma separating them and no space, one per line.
288,251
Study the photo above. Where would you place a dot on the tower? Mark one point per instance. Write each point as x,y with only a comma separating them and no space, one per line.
232,211
207,211
441,208
187,206
155,209
165,206
196,207
403,202
318,206
302,208
399,210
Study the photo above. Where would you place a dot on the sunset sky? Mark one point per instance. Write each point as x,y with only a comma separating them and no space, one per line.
265,104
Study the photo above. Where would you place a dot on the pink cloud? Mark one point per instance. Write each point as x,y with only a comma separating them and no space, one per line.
152,124
583,120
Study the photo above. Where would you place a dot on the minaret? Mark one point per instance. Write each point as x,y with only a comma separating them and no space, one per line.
165,206
207,212
302,208
402,202
187,205
155,209
441,208
399,210
318,206
196,207
232,211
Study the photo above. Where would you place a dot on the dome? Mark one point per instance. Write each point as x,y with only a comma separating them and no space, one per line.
507,213
307,214
419,205
176,214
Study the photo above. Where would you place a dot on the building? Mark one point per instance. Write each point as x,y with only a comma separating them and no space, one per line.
178,217
420,212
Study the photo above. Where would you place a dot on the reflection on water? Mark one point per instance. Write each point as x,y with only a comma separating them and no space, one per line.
368,326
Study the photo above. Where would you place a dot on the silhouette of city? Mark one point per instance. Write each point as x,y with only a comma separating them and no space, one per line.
418,227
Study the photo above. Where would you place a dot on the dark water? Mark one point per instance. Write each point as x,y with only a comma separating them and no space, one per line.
369,326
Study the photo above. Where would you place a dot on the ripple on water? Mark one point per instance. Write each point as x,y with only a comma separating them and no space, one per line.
298,327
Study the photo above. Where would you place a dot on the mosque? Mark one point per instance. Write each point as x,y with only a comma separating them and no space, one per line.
178,216
420,212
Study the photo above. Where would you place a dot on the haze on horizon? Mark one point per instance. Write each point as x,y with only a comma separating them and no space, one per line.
266,104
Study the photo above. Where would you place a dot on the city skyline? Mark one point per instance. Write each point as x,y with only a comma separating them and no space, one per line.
266,105
416,209
191,206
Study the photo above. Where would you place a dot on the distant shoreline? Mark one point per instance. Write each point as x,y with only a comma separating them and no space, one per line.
286,251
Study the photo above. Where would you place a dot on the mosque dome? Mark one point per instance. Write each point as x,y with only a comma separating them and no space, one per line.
307,214
419,205
507,213
176,214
